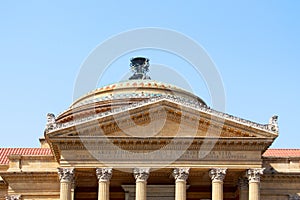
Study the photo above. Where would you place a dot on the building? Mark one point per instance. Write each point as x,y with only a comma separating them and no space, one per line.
143,139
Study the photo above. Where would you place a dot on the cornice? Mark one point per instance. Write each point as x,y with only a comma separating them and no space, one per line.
281,177
158,142
29,176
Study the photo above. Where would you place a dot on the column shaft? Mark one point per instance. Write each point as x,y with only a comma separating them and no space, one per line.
103,190
65,191
104,176
254,182
180,175
243,188
66,176
217,176
141,190
141,175
180,190
254,193
217,190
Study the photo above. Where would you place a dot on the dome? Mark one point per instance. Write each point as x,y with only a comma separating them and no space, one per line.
125,93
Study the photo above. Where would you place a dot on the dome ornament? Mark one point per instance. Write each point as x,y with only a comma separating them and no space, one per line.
139,66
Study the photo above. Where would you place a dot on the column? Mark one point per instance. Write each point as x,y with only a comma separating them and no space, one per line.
217,176
243,188
13,197
180,175
73,186
254,182
66,176
294,197
141,175
104,176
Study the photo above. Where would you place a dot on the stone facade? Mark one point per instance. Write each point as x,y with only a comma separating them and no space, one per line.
143,139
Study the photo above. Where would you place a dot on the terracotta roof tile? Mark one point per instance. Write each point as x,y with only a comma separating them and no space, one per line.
282,153
4,152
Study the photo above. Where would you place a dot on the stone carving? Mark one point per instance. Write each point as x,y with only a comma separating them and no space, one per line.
104,174
13,197
253,175
294,197
181,174
51,123
217,174
273,123
243,183
141,174
66,174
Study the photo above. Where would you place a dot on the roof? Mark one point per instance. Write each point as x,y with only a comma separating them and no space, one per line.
130,88
282,153
4,152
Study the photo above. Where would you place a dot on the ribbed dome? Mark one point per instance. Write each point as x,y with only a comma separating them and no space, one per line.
117,95
122,94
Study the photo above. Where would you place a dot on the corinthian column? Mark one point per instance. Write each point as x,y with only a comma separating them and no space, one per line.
180,175
66,176
217,176
141,175
254,182
104,176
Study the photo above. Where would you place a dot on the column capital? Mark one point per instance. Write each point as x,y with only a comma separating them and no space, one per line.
13,197
141,174
243,183
254,174
217,174
66,174
103,174
181,174
294,197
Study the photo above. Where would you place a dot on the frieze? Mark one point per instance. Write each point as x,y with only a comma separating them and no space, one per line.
116,154
215,155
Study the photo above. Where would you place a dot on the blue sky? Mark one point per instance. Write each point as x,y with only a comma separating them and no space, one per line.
254,44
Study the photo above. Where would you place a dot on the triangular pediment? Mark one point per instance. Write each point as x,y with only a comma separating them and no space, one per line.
162,118
156,124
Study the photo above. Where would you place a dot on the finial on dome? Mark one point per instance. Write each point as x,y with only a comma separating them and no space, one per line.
139,66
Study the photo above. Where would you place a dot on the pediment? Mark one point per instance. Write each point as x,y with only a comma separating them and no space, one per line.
162,118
